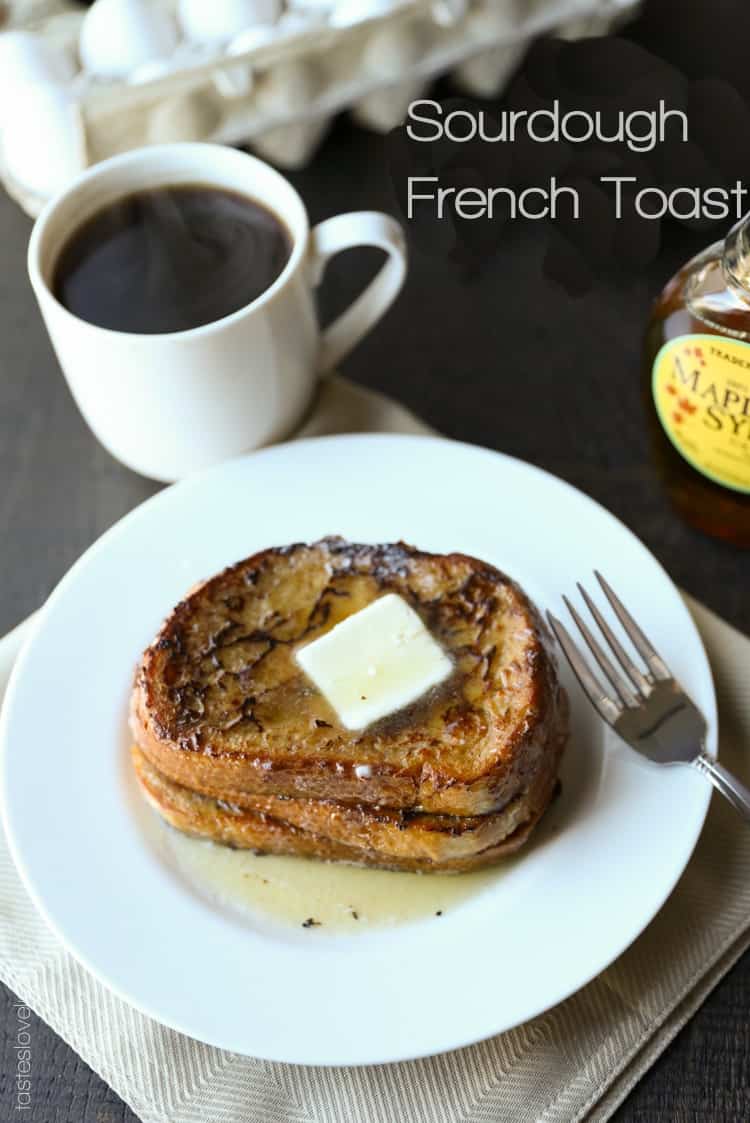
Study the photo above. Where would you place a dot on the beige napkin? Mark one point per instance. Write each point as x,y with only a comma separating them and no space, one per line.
576,1062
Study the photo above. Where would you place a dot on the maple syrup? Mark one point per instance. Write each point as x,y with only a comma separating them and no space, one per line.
329,897
697,388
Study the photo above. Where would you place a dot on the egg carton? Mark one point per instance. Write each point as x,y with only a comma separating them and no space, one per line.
78,85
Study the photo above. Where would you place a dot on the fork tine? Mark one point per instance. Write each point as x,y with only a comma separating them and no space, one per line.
643,646
624,693
635,674
600,700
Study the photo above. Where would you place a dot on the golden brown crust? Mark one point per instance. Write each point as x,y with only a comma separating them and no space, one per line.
220,706
256,830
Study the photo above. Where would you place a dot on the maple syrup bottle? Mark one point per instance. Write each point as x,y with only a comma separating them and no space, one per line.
697,388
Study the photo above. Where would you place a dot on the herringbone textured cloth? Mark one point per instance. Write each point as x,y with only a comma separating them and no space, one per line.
576,1062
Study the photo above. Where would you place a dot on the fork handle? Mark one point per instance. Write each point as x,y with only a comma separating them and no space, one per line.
729,786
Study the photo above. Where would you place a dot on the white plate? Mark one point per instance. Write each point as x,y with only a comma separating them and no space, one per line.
609,852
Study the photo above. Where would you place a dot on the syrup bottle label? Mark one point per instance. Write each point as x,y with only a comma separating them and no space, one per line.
701,387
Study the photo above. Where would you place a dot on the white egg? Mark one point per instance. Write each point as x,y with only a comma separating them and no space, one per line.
310,5
304,14
213,21
299,22
348,12
314,6
27,59
43,141
117,36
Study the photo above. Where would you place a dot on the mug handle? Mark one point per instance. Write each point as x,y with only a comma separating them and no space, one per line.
361,228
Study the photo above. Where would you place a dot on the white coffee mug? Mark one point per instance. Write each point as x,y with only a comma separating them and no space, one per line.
169,404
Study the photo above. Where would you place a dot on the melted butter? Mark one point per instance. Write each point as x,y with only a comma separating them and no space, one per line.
336,897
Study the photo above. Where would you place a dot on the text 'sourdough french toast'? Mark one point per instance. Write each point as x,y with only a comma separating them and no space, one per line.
220,705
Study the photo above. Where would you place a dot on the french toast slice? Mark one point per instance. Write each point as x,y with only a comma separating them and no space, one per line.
393,833
221,707
256,830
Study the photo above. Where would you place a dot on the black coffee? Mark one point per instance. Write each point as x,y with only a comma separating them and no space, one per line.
170,259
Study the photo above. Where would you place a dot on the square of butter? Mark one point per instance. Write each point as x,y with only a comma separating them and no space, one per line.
375,662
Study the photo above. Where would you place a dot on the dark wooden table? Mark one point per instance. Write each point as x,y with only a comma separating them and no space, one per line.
503,359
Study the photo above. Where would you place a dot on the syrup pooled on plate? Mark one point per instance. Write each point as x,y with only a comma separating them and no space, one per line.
326,896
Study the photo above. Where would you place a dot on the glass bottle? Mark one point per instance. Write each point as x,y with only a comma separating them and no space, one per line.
697,388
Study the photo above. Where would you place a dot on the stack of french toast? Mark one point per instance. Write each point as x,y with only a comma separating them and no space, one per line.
235,743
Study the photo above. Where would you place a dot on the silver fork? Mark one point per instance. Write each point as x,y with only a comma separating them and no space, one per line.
646,706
